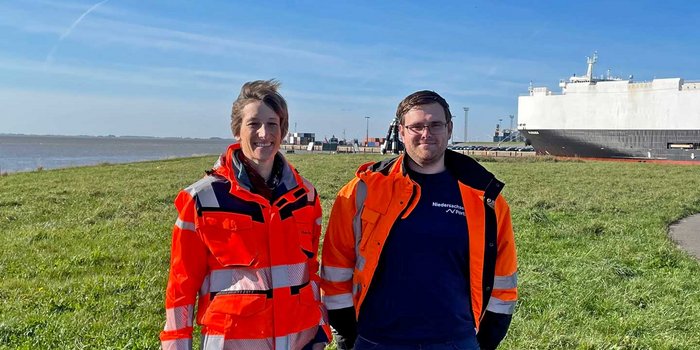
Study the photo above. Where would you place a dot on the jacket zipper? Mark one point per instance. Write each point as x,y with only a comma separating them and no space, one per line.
410,200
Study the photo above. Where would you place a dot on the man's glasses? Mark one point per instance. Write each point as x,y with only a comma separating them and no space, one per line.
435,128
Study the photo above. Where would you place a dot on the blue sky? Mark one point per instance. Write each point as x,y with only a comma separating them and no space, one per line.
173,68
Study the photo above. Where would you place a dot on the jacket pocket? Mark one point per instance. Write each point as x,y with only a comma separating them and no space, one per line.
229,237
369,221
304,223
308,310
241,316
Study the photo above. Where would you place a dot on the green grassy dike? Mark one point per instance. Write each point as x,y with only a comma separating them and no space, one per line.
84,252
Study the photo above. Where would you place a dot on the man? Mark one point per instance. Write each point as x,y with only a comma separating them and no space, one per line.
419,252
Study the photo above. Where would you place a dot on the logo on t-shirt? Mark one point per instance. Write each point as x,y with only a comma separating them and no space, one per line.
450,208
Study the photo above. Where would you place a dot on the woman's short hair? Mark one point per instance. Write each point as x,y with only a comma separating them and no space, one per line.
266,92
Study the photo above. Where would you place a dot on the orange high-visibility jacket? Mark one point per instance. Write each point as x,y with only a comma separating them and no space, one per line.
250,266
366,208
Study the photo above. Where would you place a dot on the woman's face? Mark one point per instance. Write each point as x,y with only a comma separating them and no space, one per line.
260,135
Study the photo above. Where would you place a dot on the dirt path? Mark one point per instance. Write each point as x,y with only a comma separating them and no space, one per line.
687,234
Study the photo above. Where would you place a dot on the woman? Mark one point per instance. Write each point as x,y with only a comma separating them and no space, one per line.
245,242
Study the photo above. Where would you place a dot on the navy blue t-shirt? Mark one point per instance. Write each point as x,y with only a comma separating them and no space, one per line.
420,292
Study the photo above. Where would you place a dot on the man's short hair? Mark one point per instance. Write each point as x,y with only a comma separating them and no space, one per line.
420,98
260,90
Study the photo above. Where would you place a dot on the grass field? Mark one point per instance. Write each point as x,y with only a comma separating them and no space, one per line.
84,252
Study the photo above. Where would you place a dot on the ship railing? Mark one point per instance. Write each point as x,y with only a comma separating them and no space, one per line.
540,91
691,85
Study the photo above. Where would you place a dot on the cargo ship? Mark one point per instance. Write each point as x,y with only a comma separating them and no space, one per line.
609,117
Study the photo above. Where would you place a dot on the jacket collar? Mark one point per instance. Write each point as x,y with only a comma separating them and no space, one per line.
464,168
231,168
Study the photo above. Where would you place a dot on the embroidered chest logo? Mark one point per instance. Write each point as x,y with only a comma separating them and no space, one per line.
450,208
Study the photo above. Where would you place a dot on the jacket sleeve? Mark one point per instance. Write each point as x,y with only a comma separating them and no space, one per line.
501,305
187,271
324,333
338,264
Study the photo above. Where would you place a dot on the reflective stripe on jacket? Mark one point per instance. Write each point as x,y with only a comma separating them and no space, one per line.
250,266
366,208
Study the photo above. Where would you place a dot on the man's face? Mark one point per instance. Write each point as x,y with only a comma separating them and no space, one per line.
260,133
426,147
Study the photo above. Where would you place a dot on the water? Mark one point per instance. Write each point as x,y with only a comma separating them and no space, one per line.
27,152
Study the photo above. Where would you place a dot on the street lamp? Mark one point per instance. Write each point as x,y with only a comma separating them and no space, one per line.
499,126
466,120
511,122
367,133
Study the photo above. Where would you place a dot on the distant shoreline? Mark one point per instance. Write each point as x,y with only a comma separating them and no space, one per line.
41,169
22,153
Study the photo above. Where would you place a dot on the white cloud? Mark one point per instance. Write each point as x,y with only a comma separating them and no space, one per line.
321,78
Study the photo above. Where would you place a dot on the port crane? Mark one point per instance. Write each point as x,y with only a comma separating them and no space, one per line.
392,143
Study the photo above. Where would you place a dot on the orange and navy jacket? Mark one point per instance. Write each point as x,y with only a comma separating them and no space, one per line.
366,208
249,265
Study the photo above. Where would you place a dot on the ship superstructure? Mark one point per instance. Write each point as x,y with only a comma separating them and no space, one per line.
610,117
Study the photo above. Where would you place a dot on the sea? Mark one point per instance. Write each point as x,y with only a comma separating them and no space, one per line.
31,152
